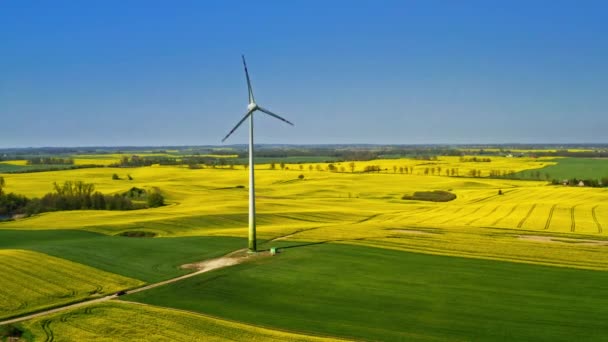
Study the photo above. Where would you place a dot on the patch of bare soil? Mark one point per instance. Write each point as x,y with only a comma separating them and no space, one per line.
233,258
556,239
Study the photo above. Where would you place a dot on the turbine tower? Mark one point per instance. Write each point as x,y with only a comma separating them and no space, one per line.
251,108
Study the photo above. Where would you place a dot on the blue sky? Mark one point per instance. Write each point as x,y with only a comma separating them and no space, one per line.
83,73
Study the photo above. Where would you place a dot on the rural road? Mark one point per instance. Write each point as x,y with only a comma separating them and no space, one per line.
203,267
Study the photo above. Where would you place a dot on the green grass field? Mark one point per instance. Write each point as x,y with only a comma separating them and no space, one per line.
146,259
568,168
376,294
9,168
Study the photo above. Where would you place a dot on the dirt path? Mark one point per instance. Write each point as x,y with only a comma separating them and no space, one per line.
230,259
557,239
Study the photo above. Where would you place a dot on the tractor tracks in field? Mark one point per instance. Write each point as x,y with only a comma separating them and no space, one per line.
506,215
46,326
572,220
484,216
597,222
548,222
523,220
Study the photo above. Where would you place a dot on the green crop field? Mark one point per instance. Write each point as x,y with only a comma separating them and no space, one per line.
568,168
390,295
13,167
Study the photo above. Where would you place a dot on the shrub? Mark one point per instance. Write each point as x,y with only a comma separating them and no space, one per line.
10,331
156,199
137,234
301,176
115,177
432,196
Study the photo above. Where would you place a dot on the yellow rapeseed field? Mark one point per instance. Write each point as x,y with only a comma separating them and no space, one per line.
530,222
119,321
31,281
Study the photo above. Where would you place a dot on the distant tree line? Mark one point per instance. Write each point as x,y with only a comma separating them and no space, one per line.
193,162
464,159
78,196
49,161
594,183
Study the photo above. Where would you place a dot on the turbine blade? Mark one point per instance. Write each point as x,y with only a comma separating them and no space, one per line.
275,115
249,88
237,125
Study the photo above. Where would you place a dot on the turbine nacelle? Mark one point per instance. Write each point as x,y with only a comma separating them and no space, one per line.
252,106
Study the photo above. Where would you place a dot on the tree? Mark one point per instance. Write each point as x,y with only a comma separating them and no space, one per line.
352,166
156,199
282,166
394,169
309,167
129,177
273,166
301,167
301,176
2,184
115,177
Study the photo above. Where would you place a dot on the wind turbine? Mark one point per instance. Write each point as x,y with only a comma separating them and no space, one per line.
251,108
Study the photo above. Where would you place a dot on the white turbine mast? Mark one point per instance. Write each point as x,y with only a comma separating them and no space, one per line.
251,108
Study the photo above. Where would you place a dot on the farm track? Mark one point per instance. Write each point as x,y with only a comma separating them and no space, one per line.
523,220
548,223
597,222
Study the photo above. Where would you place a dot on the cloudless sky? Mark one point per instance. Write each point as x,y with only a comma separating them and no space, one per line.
91,73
